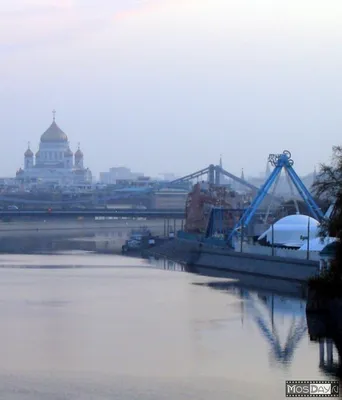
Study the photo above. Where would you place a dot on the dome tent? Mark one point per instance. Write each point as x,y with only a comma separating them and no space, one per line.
291,230
317,244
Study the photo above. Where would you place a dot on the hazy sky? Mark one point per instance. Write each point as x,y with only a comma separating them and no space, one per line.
168,85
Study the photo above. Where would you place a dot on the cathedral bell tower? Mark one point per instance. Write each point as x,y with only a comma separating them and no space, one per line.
79,158
68,156
28,158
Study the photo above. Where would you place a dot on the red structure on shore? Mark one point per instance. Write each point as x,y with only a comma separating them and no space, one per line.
202,198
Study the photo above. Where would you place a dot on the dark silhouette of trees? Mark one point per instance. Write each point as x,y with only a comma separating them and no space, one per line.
328,187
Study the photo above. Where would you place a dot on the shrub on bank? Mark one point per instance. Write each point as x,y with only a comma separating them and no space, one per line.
326,287
328,283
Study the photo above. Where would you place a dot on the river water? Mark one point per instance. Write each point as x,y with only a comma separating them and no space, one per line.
87,326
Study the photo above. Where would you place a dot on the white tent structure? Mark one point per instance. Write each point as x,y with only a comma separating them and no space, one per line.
317,244
292,231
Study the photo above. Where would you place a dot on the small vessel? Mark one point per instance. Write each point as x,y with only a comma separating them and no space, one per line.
138,240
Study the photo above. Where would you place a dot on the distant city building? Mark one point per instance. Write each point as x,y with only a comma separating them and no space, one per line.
139,182
169,176
118,173
54,162
169,199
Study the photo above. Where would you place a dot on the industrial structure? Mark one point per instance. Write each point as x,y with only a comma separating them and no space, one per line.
217,223
203,198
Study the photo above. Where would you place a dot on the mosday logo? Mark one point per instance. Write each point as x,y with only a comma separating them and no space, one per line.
312,389
323,388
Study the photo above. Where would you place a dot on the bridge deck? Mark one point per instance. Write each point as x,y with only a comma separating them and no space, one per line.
176,214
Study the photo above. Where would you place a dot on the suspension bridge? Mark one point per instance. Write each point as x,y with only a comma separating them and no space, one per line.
212,174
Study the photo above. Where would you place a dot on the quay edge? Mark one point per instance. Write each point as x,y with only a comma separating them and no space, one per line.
199,254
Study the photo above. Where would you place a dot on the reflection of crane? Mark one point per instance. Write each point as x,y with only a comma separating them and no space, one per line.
297,330
326,361
322,330
282,354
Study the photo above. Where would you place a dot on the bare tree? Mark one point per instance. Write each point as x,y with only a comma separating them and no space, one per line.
328,183
328,186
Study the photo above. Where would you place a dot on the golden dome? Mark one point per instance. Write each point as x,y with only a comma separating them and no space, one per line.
54,134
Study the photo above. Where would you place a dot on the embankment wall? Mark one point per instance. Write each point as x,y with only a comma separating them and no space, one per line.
199,254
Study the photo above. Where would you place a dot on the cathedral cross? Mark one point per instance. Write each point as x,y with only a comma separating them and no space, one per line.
54,115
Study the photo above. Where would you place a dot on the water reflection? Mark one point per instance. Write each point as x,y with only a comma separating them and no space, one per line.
262,309
276,315
267,310
164,263
323,332
110,241
100,237
327,357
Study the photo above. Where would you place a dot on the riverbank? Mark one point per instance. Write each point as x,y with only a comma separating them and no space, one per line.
103,236
328,308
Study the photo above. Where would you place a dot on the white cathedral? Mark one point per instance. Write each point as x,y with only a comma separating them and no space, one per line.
54,162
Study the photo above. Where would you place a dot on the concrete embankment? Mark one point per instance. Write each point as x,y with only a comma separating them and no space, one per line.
198,254
97,235
182,251
74,227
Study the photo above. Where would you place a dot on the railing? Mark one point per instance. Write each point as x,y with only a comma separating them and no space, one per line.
278,252
171,213
252,249
189,236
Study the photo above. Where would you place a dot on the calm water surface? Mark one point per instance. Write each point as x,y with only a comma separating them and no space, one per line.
120,328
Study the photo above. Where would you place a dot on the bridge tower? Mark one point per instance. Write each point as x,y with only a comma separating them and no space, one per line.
217,175
211,174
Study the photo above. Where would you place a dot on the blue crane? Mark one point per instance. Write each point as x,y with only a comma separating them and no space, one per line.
279,162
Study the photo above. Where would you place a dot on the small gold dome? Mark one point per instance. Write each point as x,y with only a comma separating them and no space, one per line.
28,153
79,153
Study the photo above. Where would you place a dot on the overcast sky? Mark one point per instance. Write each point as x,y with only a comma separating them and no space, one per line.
169,85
